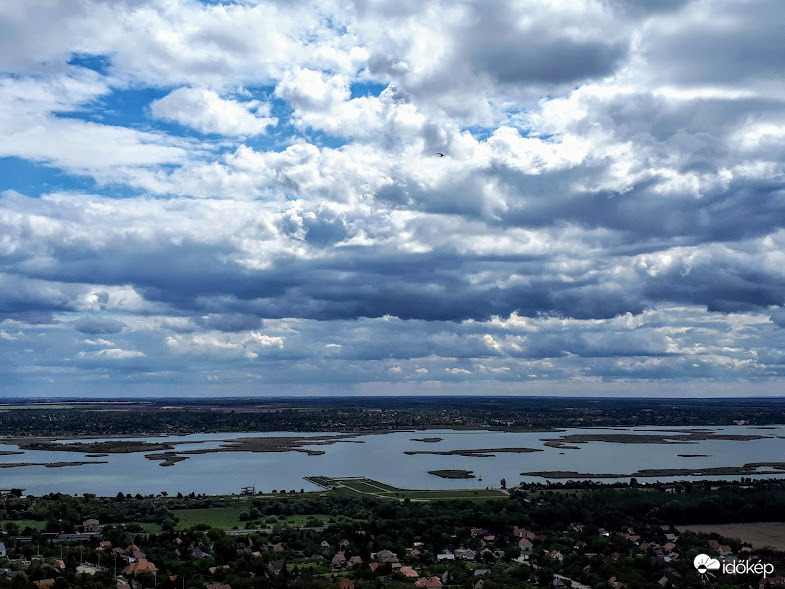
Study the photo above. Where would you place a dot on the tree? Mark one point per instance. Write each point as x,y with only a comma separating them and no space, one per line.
504,483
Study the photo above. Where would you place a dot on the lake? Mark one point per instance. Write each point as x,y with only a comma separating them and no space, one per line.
381,457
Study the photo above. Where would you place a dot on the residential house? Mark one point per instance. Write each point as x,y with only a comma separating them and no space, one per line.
339,560
525,545
345,584
91,526
13,574
429,582
487,552
218,586
137,554
275,567
49,583
140,566
2,550
386,556
409,572
523,533
354,561
86,569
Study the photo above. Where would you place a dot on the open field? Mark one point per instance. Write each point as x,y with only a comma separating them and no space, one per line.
371,488
228,518
36,406
758,534
23,523
215,517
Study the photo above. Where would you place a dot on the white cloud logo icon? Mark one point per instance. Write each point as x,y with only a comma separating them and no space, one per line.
705,563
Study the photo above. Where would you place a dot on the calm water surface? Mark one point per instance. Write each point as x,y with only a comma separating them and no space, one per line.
379,457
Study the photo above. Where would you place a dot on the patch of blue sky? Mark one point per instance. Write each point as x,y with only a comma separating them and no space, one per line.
122,107
480,133
322,139
97,63
360,89
34,179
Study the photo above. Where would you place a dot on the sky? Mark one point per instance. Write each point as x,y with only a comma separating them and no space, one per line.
249,198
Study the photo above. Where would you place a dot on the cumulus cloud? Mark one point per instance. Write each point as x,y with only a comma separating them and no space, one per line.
377,192
98,325
112,354
207,112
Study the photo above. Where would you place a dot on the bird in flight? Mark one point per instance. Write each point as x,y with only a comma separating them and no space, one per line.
440,154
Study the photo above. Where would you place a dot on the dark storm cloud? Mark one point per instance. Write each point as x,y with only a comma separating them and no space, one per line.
641,214
610,204
723,42
494,44
229,321
98,325
778,317
640,8
22,297
720,281
195,279
497,43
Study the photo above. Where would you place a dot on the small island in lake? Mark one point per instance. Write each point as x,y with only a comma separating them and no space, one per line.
692,455
476,453
453,474
427,440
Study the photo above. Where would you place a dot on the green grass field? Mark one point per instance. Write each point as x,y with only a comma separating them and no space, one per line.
23,523
370,488
228,518
215,517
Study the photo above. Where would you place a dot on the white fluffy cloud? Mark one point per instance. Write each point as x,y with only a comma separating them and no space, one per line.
207,112
382,192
